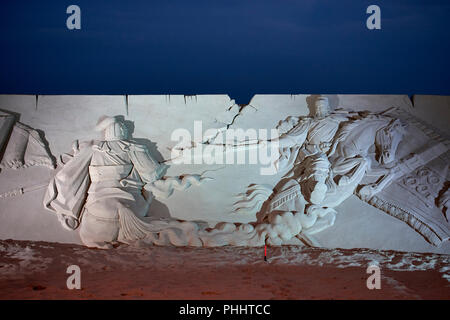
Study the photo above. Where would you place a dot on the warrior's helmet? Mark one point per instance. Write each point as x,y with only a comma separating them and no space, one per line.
113,128
322,107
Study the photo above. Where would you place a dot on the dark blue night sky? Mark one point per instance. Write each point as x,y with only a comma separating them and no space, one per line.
227,46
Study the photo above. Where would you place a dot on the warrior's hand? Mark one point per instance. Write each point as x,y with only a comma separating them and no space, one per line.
325,145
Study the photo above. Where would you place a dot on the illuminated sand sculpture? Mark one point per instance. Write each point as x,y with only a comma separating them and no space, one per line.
371,164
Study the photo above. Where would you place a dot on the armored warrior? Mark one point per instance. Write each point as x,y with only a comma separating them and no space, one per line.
308,144
112,173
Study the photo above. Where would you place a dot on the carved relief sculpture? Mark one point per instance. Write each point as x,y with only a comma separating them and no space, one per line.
22,146
334,154
105,188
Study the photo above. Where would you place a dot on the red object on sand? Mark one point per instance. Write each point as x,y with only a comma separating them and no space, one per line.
265,253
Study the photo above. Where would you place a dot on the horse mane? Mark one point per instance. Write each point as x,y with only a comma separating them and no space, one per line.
349,126
345,129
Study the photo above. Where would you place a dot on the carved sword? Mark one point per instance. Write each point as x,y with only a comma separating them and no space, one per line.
22,190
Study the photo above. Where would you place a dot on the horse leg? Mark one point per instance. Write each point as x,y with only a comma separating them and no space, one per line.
371,189
350,170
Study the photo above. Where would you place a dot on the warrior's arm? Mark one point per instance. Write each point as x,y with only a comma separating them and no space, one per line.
148,168
294,137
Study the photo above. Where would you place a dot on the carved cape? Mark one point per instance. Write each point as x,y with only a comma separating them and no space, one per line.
68,189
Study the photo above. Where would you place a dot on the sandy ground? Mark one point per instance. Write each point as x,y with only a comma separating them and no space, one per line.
37,270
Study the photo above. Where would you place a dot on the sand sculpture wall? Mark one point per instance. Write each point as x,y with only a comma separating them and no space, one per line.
154,118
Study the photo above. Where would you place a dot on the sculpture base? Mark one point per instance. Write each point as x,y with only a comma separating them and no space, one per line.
37,270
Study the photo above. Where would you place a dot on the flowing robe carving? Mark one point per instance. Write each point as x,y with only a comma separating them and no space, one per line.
112,174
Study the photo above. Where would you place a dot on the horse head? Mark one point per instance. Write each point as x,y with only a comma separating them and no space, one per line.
387,140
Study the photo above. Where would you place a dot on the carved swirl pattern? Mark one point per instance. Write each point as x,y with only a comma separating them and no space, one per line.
424,182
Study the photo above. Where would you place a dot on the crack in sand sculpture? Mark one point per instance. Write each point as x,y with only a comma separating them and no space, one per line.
105,188
328,155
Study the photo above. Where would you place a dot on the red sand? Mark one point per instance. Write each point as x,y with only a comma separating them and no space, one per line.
37,270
